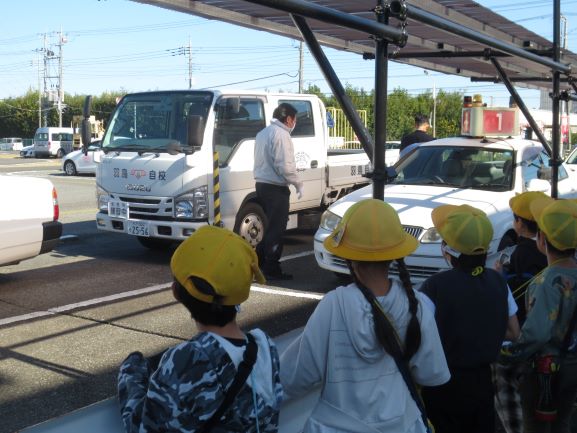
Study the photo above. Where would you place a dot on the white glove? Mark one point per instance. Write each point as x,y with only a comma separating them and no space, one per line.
299,191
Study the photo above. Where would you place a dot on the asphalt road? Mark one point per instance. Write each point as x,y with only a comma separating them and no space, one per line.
69,317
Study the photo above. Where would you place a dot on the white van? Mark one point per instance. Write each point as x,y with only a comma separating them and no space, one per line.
53,141
11,143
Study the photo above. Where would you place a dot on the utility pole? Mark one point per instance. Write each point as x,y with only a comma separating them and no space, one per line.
60,102
189,63
183,51
301,67
45,80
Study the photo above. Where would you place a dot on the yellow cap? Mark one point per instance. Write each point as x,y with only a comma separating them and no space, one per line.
464,228
222,258
558,220
520,204
370,231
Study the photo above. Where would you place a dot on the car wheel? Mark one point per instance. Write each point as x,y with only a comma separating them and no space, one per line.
70,168
155,243
60,154
251,223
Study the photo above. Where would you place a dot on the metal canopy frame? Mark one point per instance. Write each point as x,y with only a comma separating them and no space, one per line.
363,26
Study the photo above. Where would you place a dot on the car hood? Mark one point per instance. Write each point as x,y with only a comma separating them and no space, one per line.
415,203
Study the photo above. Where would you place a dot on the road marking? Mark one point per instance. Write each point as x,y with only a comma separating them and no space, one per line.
291,293
90,302
138,292
296,256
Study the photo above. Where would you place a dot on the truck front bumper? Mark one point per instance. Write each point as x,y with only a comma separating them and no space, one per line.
170,230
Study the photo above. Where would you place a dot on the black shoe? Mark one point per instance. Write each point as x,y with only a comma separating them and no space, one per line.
277,275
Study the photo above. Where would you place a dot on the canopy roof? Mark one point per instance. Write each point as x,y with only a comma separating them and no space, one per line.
423,39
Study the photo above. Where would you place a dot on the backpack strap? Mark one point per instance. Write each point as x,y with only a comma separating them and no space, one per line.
244,370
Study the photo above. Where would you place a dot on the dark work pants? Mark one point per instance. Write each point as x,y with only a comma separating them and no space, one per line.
275,201
464,404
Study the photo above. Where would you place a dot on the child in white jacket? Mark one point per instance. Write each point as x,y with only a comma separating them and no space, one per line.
346,344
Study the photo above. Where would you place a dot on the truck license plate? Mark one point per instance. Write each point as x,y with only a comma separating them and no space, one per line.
138,228
118,209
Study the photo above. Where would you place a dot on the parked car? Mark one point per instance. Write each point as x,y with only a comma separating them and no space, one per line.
571,160
27,152
77,162
11,143
484,173
29,223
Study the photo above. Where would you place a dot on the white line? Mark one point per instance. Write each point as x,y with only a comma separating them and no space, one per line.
88,303
131,293
296,256
285,293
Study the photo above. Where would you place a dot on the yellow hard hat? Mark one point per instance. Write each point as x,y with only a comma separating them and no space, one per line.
464,228
220,257
370,231
520,204
558,220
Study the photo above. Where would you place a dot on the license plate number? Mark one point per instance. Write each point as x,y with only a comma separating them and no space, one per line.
118,209
138,228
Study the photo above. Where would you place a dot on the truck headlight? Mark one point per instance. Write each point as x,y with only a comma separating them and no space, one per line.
329,220
431,236
193,205
102,199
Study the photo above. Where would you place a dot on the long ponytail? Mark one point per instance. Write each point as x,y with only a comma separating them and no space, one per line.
413,338
384,330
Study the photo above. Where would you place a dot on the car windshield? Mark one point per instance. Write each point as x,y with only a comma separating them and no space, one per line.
572,158
155,122
461,167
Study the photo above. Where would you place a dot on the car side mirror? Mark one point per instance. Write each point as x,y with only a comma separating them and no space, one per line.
86,128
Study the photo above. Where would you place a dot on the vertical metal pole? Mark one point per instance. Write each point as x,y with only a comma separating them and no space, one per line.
381,70
555,160
216,188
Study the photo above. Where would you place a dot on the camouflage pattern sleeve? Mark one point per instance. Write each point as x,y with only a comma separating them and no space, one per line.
132,387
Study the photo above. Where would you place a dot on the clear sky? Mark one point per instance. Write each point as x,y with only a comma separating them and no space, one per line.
113,45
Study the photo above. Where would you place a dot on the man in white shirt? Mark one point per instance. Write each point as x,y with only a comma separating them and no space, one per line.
274,170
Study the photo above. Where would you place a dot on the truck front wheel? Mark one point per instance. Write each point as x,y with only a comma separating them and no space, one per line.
251,223
155,243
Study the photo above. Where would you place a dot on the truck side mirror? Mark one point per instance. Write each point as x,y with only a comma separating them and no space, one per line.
195,131
86,128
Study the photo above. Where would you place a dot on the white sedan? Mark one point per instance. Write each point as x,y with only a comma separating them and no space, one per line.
571,160
77,162
484,173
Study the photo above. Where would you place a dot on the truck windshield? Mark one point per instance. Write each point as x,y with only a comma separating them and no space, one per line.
155,122
461,167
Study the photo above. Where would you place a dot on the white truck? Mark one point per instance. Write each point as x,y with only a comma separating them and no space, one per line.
29,226
156,174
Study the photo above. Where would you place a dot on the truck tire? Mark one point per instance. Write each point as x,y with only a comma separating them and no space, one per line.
251,223
155,243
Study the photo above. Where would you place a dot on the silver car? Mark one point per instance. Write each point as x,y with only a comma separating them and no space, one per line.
77,162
